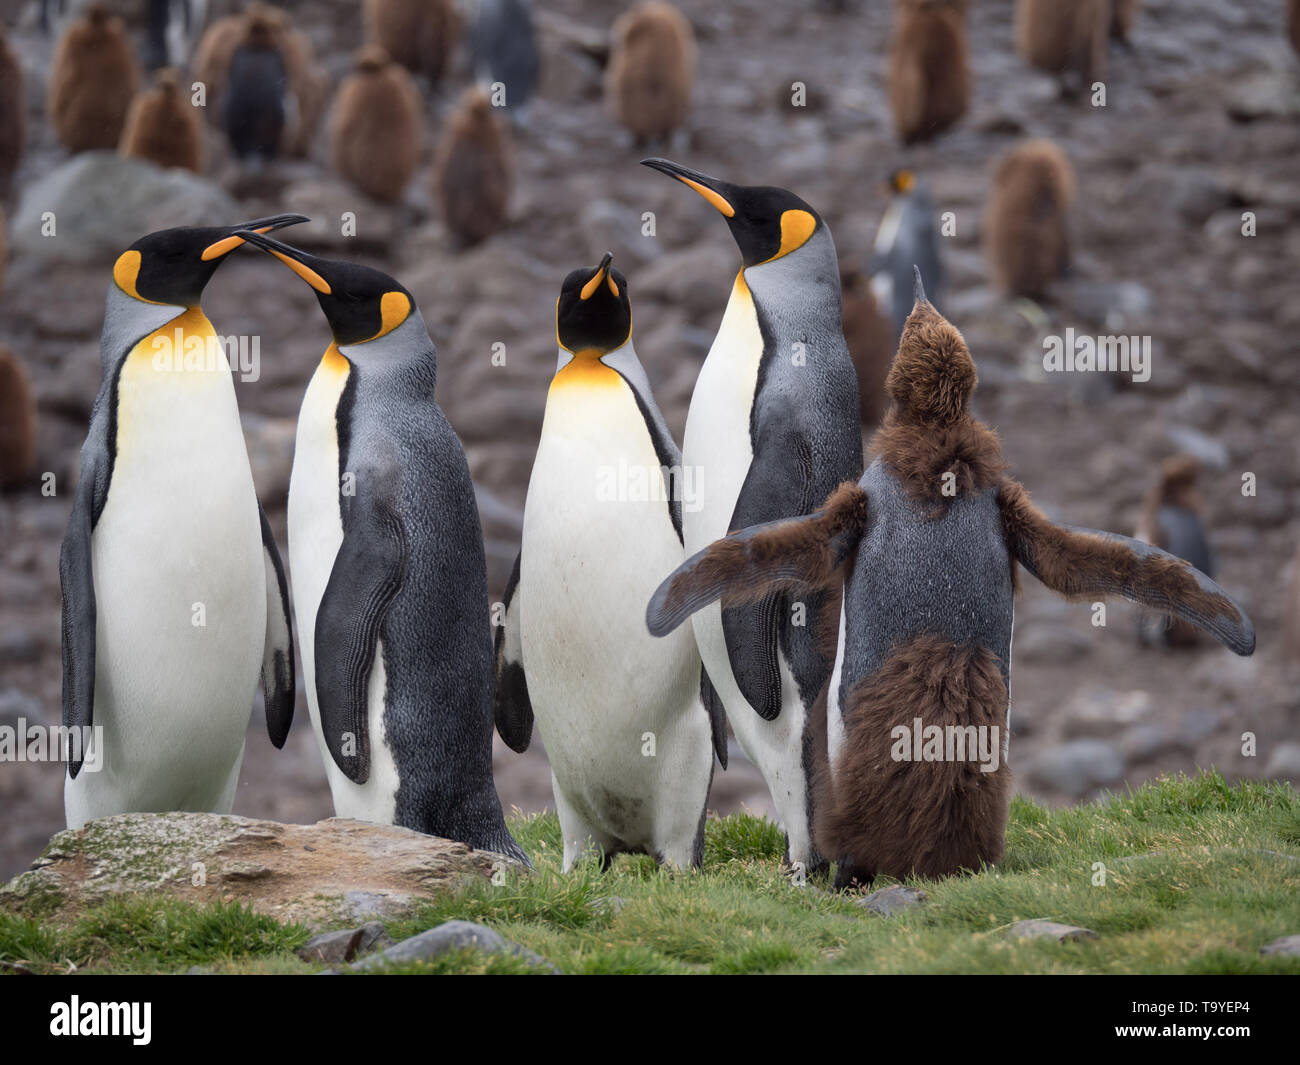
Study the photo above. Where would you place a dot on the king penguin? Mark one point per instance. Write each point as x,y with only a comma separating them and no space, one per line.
620,712
389,576
772,428
906,240
173,594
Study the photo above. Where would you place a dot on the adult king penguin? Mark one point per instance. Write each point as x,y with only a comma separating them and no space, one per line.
621,713
772,429
389,578
173,593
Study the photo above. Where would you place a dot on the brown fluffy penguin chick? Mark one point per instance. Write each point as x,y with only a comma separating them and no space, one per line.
929,78
1069,38
474,170
13,110
375,126
1026,233
162,125
17,420
1171,520
1123,15
651,70
419,34
870,339
92,82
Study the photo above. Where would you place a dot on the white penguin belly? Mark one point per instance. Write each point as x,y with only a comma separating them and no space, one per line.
717,447
619,710
315,534
180,595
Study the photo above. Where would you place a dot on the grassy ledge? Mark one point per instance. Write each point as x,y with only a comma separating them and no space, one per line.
1198,875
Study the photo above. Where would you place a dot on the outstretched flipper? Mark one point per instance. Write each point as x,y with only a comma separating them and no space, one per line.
1081,562
795,553
513,709
77,581
277,651
366,577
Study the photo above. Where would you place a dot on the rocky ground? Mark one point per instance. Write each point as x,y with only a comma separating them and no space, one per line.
1202,123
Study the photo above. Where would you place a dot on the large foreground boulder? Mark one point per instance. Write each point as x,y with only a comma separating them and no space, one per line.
335,870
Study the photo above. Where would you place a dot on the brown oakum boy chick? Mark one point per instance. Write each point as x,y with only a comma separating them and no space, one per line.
1124,14
870,339
163,126
375,126
421,35
921,555
1026,231
307,82
1069,39
92,81
651,70
474,170
13,111
17,420
929,77
1171,520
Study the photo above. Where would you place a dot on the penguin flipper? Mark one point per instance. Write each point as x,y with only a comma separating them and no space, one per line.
1076,561
367,575
717,715
277,651
77,583
786,555
513,708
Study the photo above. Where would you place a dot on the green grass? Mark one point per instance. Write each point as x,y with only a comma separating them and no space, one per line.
1186,891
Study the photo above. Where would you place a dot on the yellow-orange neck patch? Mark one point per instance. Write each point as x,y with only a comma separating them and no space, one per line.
126,271
585,370
796,227
334,360
394,308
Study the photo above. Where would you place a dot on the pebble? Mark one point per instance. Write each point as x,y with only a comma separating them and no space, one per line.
1042,928
892,900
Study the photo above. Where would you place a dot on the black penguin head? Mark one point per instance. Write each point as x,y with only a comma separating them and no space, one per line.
173,265
767,223
593,311
359,302
933,375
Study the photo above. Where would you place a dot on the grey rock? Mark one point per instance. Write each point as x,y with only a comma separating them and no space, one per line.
452,935
1099,712
695,279
331,948
15,705
1144,742
608,226
103,202
1051,642
1197,724
1077,768
1284,762
1268,94
1288,946
19,645
1042,928
893,899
